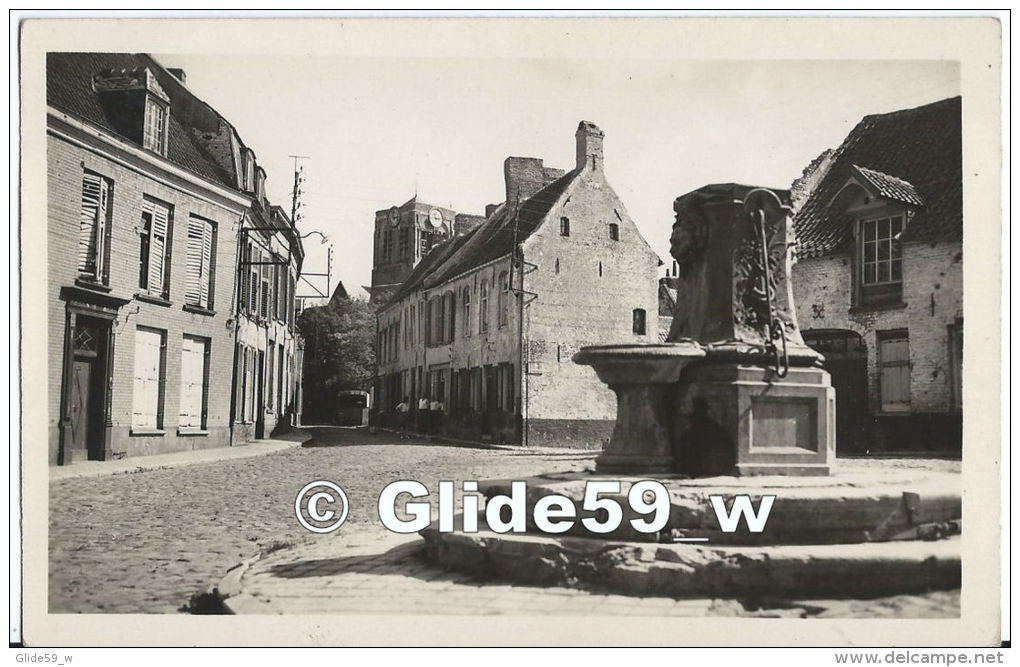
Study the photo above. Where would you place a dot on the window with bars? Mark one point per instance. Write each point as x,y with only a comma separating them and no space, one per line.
503,299
466,305
894,370
405,242
149,379
449,316
94,228
483,307
880,268
200,271
155,234
564,226
638,324
194,382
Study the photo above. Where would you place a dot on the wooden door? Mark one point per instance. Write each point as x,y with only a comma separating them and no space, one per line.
81,382
846,360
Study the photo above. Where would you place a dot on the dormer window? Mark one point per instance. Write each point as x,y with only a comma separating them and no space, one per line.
136,105
154,136
880,206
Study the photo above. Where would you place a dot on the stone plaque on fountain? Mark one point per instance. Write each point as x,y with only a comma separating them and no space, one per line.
734,390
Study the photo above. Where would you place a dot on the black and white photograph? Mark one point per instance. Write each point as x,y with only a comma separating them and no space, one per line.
355,319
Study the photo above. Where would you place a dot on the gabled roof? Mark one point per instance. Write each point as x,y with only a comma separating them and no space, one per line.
914,155
492,239
69,89
890,187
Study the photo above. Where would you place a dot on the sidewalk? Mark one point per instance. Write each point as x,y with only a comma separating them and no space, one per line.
175,459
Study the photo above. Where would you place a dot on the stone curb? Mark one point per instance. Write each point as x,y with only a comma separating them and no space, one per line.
230,592
175,459
477,444
682,570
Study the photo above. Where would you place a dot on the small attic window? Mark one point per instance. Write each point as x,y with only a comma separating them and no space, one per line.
564,226
614,231
154,136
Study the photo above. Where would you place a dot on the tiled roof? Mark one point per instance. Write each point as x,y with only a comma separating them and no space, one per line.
890,187
912,154
69,89
492,239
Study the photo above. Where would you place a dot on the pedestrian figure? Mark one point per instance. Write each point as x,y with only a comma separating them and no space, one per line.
403,408
423,414
436,408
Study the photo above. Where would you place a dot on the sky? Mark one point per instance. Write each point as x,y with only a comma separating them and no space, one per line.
379,130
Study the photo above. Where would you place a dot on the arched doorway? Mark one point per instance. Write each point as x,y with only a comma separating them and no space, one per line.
846,360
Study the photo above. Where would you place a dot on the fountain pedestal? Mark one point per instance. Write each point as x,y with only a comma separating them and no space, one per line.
643,378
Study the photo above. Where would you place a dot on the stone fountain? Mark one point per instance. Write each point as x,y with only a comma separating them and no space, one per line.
734,389
732,404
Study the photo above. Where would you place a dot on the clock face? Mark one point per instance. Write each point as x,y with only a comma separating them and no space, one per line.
435,218
394,216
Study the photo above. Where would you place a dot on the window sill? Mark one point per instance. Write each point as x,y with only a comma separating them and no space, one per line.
192,432
896,305
136,432
894,413
198,310
156,300
88,284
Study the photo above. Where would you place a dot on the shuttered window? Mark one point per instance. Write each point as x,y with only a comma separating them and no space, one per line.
155,232
199,285
147,410
194,382
93,236
894,370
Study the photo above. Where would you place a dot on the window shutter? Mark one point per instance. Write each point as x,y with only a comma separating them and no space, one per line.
193,273
146,380
205,280
92,198
159,247
246,257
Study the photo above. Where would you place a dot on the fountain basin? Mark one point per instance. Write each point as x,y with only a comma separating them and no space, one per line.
642,377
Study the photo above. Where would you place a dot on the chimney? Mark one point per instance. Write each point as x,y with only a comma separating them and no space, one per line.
589,145
490,209
464,223
178,74
524,176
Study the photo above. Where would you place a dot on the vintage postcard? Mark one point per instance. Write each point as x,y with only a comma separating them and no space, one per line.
547,331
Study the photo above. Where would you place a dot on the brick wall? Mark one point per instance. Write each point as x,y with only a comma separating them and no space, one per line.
65,164
933,297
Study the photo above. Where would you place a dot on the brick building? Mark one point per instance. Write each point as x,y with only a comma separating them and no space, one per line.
879,278
488,320
151,198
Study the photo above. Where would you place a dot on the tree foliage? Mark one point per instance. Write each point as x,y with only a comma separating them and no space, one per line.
339,351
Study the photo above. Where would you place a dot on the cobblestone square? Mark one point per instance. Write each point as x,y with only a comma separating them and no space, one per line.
147,542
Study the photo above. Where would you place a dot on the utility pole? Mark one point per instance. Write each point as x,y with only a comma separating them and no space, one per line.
295,198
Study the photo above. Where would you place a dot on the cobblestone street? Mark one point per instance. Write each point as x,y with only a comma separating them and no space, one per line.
145,542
